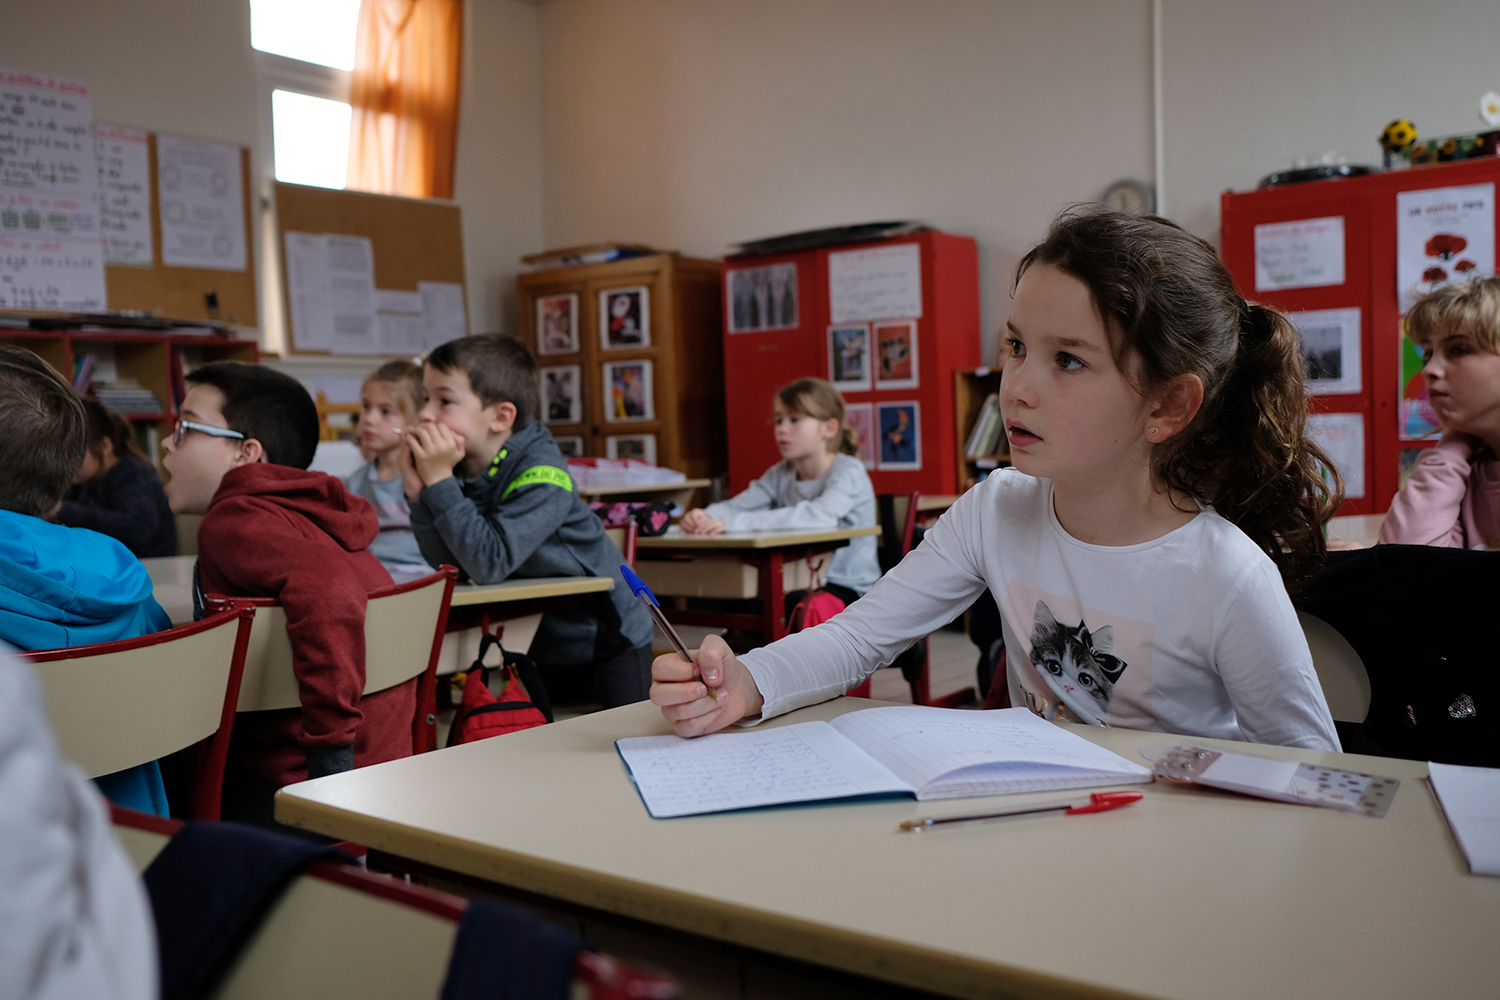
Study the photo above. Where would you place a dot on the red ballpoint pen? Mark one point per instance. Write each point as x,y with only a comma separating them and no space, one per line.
1096,803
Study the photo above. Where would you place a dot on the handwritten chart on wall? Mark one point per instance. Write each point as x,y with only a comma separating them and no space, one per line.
124,156
50,251
879,283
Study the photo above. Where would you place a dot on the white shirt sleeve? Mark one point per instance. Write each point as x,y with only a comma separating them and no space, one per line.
930,587
846,486
74,921
1262,657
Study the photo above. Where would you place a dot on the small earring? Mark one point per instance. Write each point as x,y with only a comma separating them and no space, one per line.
1151,433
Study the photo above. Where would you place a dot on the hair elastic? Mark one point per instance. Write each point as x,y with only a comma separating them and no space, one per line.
1254,330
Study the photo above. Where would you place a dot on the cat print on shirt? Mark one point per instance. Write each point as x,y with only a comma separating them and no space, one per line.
1076,663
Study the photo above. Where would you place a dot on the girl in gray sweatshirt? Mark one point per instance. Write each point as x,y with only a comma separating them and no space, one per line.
819,483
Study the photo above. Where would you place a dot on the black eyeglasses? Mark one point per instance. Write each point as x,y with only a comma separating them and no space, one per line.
183,426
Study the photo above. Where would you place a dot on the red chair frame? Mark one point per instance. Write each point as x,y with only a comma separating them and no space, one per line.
208,784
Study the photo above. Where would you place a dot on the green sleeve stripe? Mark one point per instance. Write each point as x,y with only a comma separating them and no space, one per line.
544,474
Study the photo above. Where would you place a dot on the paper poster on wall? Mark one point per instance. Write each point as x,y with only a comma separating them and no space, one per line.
400,325
1415,419
1444,236
50,252
628,391
443,308
1331,362
124,160
900,444
562,394
557,324
861,417
202,203
1308,253
879,283
625,318
896,354
1342,436
331,292
640,447
763,298
849,357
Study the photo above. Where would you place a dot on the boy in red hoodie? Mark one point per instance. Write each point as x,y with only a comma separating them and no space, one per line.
239,456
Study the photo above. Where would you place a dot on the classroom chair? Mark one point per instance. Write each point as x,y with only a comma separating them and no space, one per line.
328,431
399,644
340,931
1346,685
897,513
115,705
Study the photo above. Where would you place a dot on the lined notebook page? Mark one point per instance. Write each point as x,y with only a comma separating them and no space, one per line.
982,753
800,763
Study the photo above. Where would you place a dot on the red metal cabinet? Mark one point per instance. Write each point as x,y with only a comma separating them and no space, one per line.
761,361
1368,208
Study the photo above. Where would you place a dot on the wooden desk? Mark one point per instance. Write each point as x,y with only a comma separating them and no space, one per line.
1187,894
736,564
674,493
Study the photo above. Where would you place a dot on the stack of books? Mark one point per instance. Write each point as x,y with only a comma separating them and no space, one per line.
127,396
603,473
988,435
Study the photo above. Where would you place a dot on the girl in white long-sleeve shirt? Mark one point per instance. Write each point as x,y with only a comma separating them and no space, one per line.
819,483
1163,499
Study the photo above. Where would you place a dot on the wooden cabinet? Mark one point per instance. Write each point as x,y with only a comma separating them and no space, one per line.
971,386
155,361
631,358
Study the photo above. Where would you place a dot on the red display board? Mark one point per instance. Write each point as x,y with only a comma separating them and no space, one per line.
771,339
1368,209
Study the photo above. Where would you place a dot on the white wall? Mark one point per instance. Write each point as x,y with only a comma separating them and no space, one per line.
692,124
1252,85
186,66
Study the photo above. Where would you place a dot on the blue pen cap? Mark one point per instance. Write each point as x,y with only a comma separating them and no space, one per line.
637,585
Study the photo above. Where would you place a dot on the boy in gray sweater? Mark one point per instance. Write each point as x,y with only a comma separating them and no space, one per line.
490,493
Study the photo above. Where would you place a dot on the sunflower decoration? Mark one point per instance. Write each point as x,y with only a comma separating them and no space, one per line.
1399,134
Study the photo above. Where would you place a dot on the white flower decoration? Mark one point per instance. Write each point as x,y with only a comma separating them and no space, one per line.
1489,108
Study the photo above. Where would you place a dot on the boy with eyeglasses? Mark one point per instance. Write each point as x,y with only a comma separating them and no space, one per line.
239,456
62,586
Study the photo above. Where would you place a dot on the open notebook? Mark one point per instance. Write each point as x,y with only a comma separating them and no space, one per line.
932,753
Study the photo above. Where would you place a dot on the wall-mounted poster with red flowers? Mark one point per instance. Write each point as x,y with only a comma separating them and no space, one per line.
1444,236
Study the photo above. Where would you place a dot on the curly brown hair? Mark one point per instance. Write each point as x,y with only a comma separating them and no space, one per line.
1171,309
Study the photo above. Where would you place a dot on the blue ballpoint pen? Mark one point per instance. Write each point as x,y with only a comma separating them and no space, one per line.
639,589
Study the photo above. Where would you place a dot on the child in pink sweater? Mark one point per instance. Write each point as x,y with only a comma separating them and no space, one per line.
1453,495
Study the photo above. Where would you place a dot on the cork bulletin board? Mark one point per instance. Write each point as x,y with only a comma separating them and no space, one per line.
414,240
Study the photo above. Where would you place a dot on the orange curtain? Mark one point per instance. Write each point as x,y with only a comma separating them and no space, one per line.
403,132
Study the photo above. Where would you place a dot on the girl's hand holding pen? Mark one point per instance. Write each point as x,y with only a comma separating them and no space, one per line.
681,688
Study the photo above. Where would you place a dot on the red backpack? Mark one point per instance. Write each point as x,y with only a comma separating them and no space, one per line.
482,715
816,606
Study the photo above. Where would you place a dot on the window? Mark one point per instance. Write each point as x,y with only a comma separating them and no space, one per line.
315,31
305,52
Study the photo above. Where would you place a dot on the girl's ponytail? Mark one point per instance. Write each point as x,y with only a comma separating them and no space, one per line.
848,440
1172,311
1277,485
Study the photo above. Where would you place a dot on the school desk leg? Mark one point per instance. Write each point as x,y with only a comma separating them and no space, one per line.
773,595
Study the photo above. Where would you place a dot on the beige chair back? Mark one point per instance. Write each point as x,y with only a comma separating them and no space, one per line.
330,934
1346,685
137,700
398,645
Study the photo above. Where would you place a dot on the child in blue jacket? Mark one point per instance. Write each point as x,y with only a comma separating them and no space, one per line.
62,586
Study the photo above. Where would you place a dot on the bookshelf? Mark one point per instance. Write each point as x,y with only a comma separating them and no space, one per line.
970,387
153,360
